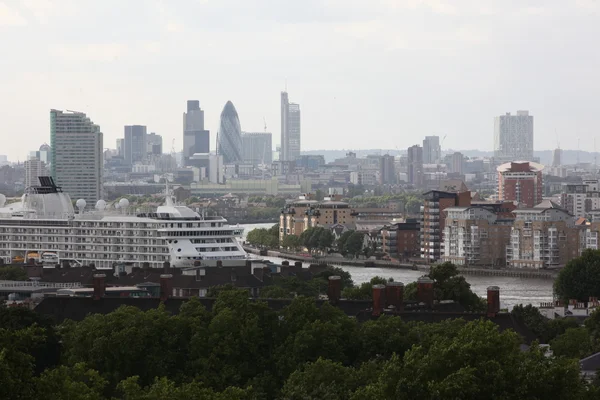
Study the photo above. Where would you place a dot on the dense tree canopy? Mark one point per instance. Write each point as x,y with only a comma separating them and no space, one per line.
580,278
241,349
13,273
264,237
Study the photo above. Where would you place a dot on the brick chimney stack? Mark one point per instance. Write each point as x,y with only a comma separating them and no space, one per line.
425,291
493,301
99,286
378,299
334,290
166,286
394,295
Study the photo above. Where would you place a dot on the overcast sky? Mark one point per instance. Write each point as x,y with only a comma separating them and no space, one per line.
367,74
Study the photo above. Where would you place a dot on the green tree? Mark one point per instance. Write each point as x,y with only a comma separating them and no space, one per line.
73,383
13,273
479,362
322,379
274,292
128,342
354,244
341,242
574,343
291,242
580,278
165,389
449,285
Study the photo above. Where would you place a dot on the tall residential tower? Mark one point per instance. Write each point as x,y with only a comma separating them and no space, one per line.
76,156
513,137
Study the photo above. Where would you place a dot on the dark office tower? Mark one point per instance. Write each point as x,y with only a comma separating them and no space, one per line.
195,138
134,146
290,129
230,135
415,165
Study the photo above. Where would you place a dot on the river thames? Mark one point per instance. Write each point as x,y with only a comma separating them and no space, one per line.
512,290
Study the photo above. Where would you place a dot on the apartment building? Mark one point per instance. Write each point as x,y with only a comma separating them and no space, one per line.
306,213
580,199
400,240
544,236
520,181
476,236
433,219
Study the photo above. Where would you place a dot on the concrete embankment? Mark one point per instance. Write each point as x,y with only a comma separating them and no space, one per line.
336,261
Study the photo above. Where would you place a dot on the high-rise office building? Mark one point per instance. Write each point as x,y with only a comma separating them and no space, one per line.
195,138
513,137
290,129
432,152
134,145
415,166
154,144
230,135
257,148
76,155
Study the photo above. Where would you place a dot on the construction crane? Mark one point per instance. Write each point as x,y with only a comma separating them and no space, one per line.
265,121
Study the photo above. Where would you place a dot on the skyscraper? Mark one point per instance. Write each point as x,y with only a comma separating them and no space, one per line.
290,129
134,145
76,156
195,138
415,165
432,152
230,135
257,148
513,137
154,144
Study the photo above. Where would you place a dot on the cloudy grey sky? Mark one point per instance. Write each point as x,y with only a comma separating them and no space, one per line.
367,74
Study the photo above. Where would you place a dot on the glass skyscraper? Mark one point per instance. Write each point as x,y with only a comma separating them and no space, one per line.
230,135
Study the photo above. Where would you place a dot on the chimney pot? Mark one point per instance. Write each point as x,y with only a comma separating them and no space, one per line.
166,267
99,286
378,299
285,263
334,289
425,291
394,295
493,301
219,263
166,286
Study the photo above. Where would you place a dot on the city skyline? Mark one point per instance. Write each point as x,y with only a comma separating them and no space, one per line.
384,64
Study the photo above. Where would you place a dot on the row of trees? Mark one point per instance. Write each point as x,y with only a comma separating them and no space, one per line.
317,239
244,350
262,237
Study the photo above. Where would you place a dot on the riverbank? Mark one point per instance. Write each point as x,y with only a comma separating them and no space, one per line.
337,261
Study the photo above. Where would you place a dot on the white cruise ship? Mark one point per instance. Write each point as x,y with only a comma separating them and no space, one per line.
44,225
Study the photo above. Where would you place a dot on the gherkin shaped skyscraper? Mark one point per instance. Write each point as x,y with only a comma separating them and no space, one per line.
230,135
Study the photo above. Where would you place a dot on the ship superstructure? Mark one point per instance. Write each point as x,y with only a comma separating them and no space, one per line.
46,224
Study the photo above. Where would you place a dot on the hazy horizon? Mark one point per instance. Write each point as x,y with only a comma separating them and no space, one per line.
376,74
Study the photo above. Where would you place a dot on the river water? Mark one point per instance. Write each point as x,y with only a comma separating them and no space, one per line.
512,290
